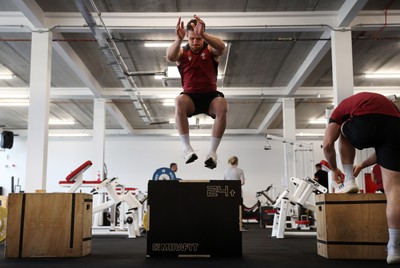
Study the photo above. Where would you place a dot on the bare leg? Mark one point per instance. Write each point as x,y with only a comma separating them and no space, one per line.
391,185
183,107
219,109
346,150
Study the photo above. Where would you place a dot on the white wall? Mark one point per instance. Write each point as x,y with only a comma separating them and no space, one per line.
134,159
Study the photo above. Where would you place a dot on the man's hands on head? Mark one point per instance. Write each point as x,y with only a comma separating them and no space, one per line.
199,28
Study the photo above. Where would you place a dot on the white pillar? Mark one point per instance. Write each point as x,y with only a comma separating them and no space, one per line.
39,102
342,71
342,66
289,133
99,126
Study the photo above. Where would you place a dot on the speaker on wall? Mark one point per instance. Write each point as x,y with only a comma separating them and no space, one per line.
7,140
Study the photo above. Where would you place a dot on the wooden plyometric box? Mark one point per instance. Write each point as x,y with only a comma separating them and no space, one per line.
351,226
49,225
194,219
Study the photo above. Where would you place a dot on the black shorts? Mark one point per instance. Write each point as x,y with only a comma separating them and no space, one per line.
202,101
381,132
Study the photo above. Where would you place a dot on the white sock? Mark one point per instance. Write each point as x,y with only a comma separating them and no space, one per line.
348,172
394,239
214,144
185,139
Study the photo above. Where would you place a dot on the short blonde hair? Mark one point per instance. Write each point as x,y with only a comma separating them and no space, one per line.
233,160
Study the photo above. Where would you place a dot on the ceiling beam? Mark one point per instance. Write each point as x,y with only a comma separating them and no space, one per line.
269,118
121,119
32,12
77,66
306,21
38,20
347,12
195,133
165,93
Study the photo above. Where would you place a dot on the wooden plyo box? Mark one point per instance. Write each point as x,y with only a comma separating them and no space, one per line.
351,226
194,218
49,225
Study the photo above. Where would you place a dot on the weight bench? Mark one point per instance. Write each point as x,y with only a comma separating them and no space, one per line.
116,195
305,187
76,177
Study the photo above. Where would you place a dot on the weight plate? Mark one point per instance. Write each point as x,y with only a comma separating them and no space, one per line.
163,174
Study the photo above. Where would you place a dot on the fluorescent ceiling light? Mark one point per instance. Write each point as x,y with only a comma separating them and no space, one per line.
157,44
6,76
317,121
14,102
173,72
195,121
301,134
61,122
169,102
382,75
160,44
69,135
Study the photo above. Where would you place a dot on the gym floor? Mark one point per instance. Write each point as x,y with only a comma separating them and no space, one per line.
259,250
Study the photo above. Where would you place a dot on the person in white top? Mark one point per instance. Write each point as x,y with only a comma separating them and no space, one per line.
233,172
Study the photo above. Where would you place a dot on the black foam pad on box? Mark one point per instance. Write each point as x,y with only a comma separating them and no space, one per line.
7,140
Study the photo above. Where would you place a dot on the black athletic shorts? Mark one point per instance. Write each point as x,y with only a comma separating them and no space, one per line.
381,132
202,101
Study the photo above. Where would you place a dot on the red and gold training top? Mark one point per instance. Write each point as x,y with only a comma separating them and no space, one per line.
361,104
198,70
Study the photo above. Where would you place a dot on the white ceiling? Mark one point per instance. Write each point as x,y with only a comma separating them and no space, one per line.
276,50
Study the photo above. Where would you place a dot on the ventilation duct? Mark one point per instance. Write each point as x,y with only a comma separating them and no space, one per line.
114,58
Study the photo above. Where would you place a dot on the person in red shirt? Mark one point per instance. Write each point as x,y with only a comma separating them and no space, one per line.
198,64
368,120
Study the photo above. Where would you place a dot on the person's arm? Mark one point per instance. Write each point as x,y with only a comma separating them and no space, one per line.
174,50
242,178
332,133
215,44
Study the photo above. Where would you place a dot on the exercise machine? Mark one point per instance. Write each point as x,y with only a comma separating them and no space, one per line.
266,210
263,205
305,187
117,196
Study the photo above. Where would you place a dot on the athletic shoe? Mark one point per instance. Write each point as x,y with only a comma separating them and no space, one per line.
347,187
393,259
393,256
189,155
211,161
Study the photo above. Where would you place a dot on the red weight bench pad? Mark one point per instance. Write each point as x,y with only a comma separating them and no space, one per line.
70,179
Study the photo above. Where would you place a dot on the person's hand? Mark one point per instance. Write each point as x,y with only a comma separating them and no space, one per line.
357,169
199,28
180,29
337,175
